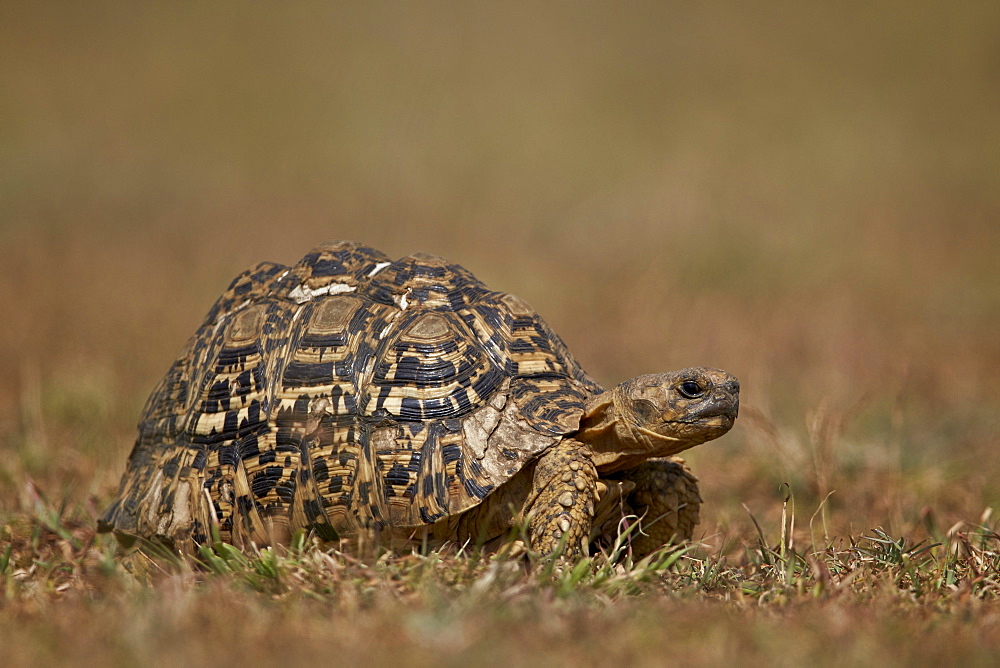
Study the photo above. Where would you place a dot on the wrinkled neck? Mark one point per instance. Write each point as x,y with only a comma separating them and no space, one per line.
616,440
614,444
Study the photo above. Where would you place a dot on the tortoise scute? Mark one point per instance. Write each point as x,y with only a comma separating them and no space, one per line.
342,261
435,368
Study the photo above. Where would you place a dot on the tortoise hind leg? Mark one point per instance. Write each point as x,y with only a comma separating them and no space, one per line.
664,496
560,509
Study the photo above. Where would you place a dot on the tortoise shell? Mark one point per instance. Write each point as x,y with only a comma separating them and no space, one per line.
346,393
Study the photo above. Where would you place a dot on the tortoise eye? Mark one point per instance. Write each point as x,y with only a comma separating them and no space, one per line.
691,389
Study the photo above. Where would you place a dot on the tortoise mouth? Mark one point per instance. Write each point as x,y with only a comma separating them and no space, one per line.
706,426
718,424
710,415
722,410
728,417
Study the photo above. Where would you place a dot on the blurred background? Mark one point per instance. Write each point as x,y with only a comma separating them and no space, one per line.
805,196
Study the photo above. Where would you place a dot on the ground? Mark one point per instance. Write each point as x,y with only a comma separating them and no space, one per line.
804,197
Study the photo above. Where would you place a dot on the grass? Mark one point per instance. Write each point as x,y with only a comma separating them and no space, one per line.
836,602
804,196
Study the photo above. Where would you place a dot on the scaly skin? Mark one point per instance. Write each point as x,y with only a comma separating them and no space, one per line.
632,431
627,437
564,493
667,502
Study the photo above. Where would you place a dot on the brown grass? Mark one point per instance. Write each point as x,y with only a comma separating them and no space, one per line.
806,197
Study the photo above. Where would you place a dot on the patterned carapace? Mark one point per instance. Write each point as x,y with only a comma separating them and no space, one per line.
346,393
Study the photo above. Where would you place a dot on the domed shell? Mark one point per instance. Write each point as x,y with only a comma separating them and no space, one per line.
346,393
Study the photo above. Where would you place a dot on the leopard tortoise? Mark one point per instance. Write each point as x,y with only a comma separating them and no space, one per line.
353,396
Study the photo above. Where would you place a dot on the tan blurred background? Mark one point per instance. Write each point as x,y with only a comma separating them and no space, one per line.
808,197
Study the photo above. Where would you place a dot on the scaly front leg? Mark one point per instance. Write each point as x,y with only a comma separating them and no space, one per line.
666,499
561,508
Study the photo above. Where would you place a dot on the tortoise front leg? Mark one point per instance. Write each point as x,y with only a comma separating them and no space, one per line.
560,509
666,500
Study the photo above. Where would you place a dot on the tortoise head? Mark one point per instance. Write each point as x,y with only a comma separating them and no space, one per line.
659,414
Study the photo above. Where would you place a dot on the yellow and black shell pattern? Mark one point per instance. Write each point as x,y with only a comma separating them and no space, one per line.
348,393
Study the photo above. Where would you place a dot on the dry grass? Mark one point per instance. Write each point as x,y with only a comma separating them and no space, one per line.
806,197
857,601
